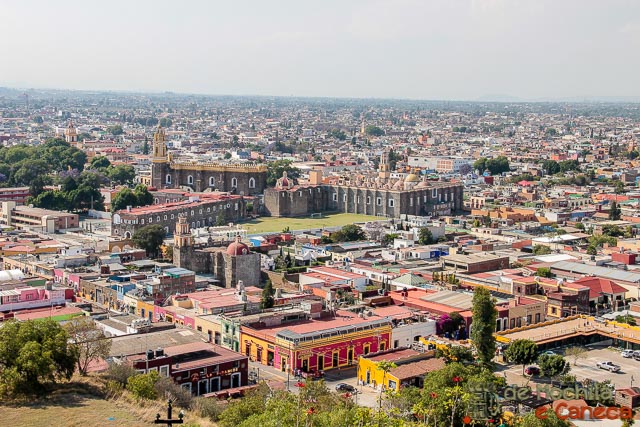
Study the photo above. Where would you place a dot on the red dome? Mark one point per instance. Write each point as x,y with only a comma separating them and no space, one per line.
237,248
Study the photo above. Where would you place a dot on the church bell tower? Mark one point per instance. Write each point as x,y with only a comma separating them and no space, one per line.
159,163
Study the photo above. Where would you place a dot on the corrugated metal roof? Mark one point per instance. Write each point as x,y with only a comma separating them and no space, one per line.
607,273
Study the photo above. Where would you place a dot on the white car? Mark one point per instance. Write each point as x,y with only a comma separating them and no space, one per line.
609,366
627,353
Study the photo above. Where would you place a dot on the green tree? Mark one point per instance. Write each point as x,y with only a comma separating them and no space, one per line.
385,367
122,199
240,410
389,238
90,341
121,174
227,155
425,237
614,212
544,272
627,318
267,299
277,168
541,250
551,167
349,233
145,146
455,354
99,162
548,419
149,238
115,130
552,365
522,352
143,196
372,130
34,353
496,166
484,316
619,187
592,250
142,386
576,352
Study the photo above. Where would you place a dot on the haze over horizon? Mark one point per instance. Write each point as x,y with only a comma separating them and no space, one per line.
466,50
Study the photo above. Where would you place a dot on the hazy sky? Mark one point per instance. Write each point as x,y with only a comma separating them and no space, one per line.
448,49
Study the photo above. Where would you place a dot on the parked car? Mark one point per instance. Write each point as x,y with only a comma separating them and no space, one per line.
532,370
628,353
609,366
345,387
549,353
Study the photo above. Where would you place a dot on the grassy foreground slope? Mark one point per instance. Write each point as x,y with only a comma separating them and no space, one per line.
81,403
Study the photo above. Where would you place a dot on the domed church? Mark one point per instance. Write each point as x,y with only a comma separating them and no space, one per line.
228,265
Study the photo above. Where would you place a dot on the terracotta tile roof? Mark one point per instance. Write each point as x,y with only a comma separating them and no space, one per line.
414,369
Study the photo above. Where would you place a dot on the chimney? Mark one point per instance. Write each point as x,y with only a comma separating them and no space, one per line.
129,208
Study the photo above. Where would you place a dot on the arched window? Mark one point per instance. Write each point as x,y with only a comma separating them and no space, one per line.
168,180
252,183
234,182
156,201
212,182
190,179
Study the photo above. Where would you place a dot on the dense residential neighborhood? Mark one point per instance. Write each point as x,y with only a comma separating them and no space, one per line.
269,245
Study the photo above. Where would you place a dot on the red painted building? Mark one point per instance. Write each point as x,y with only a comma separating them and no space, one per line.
202,368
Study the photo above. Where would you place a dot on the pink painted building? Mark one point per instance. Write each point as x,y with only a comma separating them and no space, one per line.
23,297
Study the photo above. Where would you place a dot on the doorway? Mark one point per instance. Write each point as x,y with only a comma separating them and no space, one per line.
235,380
320,363
350,356
335,360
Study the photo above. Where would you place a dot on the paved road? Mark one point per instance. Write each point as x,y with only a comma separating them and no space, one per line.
586,368
365,396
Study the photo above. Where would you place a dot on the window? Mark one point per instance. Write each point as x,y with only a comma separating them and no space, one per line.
168,179
142,221
158,218
379,201
252,183
200,211
212,182
344,198
164,371
165,217
368,200
192,213
434,193
335,197
208,210
172,216
190,179
392,385
396,343
236,206
365,349
382,346
156,201
234,182
150,219
391,202
411,201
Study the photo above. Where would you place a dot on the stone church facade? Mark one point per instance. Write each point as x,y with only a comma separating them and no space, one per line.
236,178
364,194
229,265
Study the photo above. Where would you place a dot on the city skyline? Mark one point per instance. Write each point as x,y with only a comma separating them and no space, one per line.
471,50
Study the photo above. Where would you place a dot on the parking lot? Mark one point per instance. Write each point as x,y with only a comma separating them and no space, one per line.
586,368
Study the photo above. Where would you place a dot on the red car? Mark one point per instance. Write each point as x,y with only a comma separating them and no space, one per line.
532,370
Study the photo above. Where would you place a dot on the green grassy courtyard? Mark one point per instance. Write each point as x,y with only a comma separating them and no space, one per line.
269,224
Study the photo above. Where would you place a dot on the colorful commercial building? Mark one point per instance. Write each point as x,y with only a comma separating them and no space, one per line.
311,340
